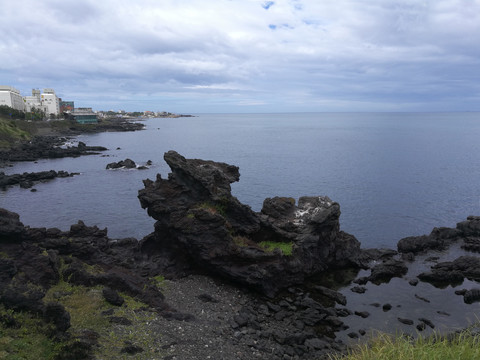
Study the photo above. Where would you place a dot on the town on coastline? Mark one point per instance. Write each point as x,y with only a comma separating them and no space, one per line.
46,105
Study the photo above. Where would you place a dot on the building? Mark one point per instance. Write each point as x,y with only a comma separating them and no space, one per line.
51,102
10,96
66,106
34,102
84,116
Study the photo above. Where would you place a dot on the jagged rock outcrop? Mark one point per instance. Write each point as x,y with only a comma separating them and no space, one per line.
200,223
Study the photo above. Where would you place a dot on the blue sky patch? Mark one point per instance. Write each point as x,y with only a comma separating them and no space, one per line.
267,4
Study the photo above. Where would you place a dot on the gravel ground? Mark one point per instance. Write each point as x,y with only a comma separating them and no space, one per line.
214,332
210,334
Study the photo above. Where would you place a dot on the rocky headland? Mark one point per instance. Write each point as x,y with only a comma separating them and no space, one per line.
216,279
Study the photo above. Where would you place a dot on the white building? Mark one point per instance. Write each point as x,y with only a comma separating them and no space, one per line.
34,101
50,101
11,97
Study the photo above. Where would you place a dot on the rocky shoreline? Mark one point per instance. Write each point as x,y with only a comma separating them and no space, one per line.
220,281
27,180
50,139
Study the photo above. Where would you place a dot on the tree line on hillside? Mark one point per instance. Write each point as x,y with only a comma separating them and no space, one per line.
9,112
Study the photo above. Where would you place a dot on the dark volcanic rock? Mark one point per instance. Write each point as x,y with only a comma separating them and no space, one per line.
332,294
471,296
56,314
453,272
439,239
470,227
113,297
11,228
26,180
358,289
131,349
127,164
385,271
47,147
200,223
405,321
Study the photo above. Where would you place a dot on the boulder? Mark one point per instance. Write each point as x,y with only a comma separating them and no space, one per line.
471,296
55,313
200,224
127,164
387,270
470,227
11,228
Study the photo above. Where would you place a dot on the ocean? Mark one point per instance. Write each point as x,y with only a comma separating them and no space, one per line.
393,174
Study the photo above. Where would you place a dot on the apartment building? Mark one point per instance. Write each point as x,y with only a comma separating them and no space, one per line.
10,96
46,101
51,102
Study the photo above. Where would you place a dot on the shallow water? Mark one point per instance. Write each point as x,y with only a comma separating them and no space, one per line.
401,295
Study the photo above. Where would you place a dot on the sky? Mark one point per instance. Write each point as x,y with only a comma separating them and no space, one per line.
246,56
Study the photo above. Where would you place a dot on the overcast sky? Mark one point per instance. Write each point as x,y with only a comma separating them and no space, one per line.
193,56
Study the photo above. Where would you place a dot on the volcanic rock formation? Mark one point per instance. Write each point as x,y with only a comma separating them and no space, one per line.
200,223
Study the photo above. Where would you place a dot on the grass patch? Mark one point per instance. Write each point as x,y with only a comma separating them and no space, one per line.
285,247
462,346
269,246
158,282
10,133
214,208
86,306
27,340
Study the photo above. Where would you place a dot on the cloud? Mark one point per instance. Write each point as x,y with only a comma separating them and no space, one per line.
372,53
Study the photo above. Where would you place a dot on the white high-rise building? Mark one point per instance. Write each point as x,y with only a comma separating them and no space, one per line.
11,97
50,101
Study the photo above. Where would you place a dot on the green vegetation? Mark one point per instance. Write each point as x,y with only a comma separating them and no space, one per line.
158,282
285,247
27,339
462,346
214,208
269,246
9,113
30,337
10,133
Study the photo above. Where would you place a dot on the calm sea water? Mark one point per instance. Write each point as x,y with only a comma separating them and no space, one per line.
394,174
